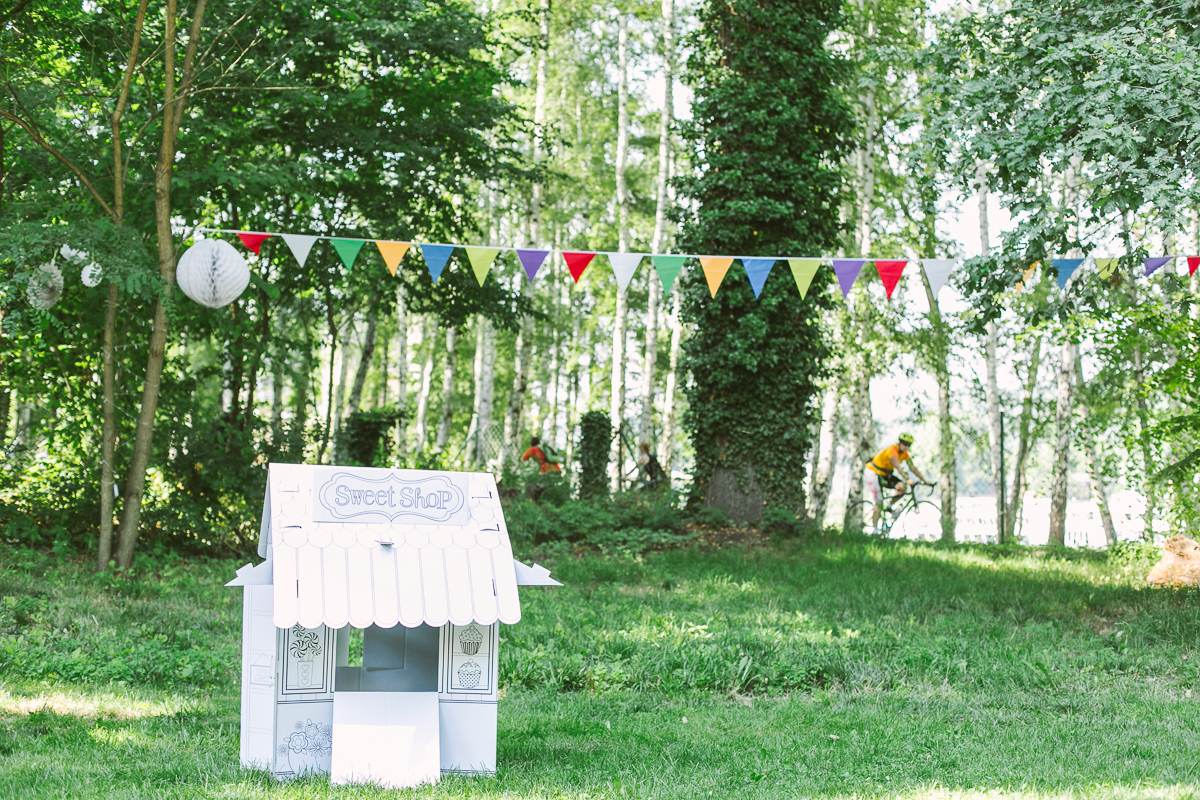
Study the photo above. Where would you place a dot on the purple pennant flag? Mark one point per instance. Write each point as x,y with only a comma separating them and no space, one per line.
757,270
1152,264
847,272
532,261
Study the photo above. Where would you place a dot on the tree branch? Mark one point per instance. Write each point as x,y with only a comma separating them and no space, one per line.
49,148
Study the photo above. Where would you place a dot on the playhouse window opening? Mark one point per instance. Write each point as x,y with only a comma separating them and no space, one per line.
356,647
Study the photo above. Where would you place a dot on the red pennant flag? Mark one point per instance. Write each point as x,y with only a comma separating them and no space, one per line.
889,273
1193,262
577,263
253,241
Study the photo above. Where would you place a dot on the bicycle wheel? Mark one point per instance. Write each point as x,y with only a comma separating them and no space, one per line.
918,520
868,526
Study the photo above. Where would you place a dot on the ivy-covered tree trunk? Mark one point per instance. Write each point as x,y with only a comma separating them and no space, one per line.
770,127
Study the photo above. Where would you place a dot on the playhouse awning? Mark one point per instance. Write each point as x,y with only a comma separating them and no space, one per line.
397,568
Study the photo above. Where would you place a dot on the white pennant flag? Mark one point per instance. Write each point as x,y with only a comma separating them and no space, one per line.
624,265
300,245
938,271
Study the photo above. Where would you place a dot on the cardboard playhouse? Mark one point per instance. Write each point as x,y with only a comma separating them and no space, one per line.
422,563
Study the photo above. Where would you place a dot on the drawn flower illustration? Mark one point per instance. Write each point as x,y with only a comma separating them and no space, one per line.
470,639
307,743
469,675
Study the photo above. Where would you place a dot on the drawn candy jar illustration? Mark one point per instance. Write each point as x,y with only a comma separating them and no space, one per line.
469,674
306,646
469,640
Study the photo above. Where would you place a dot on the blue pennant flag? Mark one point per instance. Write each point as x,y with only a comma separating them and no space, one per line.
757,270
1066,268
436,256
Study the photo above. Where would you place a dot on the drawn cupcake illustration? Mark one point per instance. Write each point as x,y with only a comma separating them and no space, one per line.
469,640
469,674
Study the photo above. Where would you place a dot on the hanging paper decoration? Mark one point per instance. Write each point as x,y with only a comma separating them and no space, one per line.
436,256
532,260
481,259
668,268
847,272
715,268
1107,266
299,244
937,272
1193,262
253,241
803,270
757,270
45,286
577,263
392,252
347,250
1151,264
1066,268
624,265
212,273
889,273
91,275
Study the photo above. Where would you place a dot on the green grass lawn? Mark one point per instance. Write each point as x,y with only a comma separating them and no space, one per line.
799,669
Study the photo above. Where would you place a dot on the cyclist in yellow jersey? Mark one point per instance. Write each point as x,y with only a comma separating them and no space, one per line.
881,471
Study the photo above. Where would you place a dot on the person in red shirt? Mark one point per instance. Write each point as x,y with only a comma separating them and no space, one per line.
535,452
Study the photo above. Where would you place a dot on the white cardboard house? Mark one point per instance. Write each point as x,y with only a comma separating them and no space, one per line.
421,561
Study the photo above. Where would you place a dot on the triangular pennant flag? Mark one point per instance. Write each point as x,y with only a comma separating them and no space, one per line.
757,270
436,256
1066,267
531,261
253,241
1152,264
847,272
668,268
1028,274
577,263
392,252
299,244
1107,266
624,265
889,273
803,270
1193,262
481,259
937,271
347,250
714,271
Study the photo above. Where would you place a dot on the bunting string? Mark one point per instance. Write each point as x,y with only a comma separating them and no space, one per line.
667,266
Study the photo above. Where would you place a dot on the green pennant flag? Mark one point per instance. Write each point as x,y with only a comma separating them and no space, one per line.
481,259
803,270
668,268
347,250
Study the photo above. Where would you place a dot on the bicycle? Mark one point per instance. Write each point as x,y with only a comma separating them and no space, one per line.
908,508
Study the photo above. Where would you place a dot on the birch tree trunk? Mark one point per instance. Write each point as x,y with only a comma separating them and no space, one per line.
863,437
666,443
510,446
1094,472
617,389
402,374
822,481
365,356
278,374
1062,445
443,434
426,383
1024,441
991,383
940,359
472,451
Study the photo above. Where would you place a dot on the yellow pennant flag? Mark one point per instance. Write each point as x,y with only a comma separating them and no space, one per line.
1028,273
803,270
481,259
1107,266
392,252
714,271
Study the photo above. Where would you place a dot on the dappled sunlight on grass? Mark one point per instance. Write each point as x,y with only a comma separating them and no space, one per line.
104,704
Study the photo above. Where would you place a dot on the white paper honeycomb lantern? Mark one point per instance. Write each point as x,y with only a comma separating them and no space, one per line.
91,275
212,273
45,286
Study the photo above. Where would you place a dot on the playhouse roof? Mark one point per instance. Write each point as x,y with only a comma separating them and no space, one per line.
364,546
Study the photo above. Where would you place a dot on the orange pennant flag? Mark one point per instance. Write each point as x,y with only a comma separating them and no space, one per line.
392,252
714,272
1028,273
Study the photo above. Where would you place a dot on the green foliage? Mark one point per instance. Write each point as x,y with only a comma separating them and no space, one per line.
628,522
365,437
595,440
769,130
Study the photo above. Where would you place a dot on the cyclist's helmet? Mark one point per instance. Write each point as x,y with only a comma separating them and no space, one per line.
907,438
